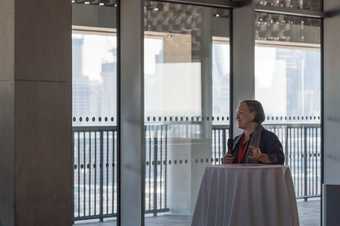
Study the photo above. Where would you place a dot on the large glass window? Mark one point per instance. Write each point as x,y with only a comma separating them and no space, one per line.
288,83
291,73
94,75
187,95
95,130
221,77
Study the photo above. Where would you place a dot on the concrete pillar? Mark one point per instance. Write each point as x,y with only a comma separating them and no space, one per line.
331,96
331,111
35,117
243,57
131,121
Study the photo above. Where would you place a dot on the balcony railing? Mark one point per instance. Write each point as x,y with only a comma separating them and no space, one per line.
95,162
95,172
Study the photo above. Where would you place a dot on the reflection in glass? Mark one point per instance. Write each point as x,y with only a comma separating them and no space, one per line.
186,81
292,75
274,27
314,5
287,65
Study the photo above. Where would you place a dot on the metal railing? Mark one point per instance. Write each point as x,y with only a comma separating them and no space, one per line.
220,136
95,162
95,172
302,146
156,161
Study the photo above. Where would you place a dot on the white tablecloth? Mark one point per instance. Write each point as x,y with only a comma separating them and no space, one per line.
246,195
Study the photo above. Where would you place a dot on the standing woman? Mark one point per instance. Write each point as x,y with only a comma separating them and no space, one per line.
255,144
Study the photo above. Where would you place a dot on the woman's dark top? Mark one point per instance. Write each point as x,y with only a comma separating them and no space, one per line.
269,144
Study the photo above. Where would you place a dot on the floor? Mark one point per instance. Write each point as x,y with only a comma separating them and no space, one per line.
309,216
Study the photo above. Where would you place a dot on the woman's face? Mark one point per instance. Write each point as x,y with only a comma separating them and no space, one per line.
244,116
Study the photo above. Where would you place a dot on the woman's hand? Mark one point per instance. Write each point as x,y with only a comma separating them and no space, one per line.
228,159
257,155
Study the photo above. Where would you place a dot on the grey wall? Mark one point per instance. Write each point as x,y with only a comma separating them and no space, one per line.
35,116
331,95
93,16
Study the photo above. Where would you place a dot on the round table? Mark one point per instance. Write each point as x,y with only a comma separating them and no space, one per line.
246,195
